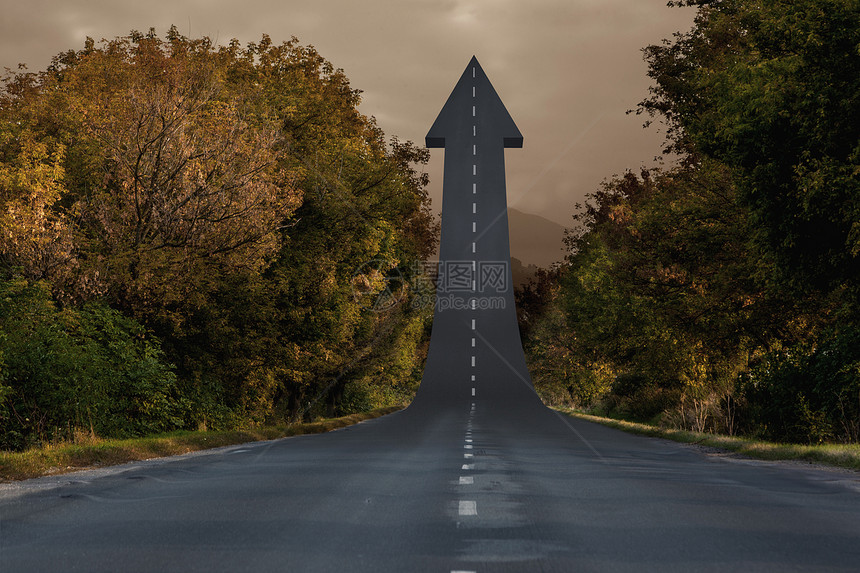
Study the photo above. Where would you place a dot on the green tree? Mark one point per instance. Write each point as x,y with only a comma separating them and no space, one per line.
771,89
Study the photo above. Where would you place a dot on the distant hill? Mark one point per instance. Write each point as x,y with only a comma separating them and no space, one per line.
535,240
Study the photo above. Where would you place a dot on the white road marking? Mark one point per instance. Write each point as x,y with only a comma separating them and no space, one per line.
467,480
473,361
473,324
474,131
473,250
474,303
468,508
474,229
468,456
473,391
474,187
474,169
473,377
474,208
473,342
473,91
473,111
473,71
474,149
468,466
468,441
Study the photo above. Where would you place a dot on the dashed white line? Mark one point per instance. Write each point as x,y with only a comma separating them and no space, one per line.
473,91
468,441
473,377
467,480
468,508
474,229
473,324
474,187
473,391
474,150
473,343
474,169
474,208
473,71
468,467
473,247
468,456
473,361
474,131
473,111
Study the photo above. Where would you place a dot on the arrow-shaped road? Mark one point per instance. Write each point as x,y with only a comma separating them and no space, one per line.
475,349
483,483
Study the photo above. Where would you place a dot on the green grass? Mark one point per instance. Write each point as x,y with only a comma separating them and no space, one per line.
63,458
839,455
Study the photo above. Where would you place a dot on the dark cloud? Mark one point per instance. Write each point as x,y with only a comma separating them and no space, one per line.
568,70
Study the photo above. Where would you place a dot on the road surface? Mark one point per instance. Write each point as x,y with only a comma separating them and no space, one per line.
486,489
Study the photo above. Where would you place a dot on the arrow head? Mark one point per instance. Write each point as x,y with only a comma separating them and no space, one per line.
474,103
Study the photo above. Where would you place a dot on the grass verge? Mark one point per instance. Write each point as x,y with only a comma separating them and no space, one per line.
63,458
839,455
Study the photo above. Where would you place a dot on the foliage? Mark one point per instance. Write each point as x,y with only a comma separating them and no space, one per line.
806,393
90,368
771,89
228,198
722,293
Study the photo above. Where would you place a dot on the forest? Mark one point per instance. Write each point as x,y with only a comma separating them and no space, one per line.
193,237
196,236
720,291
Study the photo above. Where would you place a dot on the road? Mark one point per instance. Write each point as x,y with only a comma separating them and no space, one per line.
534,492
476,475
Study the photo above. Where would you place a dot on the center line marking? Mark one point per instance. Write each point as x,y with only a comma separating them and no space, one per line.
473,343
468,440
473,111
467,480
473,324
473,391
468,466
473,91
474,187
474,208
467,456
474,169
474,150
473,227
468,508
473,361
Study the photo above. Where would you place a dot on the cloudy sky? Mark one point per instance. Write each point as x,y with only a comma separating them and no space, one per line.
567,70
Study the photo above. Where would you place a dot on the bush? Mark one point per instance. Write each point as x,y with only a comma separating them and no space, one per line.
71,369
806,394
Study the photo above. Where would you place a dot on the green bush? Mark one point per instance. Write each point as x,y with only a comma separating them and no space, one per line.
70,369
806,394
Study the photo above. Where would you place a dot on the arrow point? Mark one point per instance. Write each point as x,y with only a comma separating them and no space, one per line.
461,102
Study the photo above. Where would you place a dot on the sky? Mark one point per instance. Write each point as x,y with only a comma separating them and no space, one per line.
567,70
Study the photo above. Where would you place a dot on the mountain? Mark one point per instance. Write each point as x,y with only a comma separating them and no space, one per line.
535,240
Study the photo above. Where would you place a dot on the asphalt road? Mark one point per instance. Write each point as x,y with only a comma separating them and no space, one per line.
475,476
534,492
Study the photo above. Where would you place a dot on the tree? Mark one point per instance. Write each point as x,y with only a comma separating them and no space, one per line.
771,89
